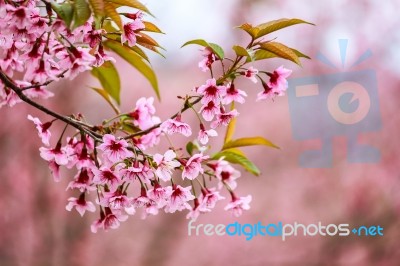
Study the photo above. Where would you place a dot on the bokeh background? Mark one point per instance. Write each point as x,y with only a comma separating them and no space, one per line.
35,229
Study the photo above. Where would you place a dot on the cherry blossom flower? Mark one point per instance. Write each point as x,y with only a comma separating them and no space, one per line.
224,118
149,140
58,154
276,86
225,173
38,92
55,170
234,95
116,200
80,204
211,92
143,113
176,125
237,205
165,164
193,166
209,110
43,129
278,81
205,134
114,150
130,31
82,181
208,198
209,58
251,74
108,220
179,199
159,194
194,213
105,176
141,170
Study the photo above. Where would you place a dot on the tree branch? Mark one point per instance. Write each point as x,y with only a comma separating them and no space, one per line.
76,124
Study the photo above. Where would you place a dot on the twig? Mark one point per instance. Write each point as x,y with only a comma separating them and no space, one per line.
76,124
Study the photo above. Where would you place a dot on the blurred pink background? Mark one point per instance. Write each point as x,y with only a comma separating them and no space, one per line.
35,228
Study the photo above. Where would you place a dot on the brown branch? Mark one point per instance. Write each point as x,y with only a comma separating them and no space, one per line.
76,124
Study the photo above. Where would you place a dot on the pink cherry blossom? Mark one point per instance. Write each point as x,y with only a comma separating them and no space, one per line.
176,125
234,95
80,204
276,86
143,113
179,199
82,181
205,134
116,200
211,92
55,171
209,110
237,205
226,174
108,220
43,129
138,170
58,154
130,32
224,118
209,58
278,81
160,195
114,150
208,199
251,73
194,213
165,164
106,176
193,167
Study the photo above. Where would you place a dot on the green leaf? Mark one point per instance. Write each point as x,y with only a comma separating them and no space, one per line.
97,7
136,61
82,12
300,54
240,51
230,130
106,96
217,50
131,3
281,50
237,157
214,47
108,76
266,28
151,27
197,41
262,54
65,11
243,142
146,39
249,29
140,52
112,13
190,147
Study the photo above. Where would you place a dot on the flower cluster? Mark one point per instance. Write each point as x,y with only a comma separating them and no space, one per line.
115,171
39,47
124,180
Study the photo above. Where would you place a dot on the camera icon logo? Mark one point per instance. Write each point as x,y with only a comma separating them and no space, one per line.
337,104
